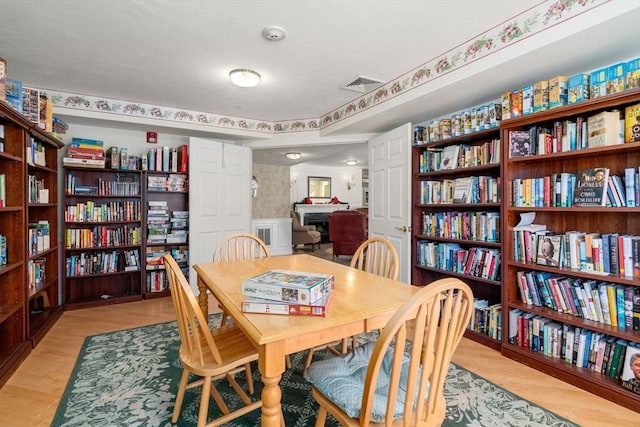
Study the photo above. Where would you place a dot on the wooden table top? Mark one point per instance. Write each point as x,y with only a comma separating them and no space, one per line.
357,296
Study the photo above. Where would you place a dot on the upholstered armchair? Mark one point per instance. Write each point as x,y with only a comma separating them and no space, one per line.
347,231
303,234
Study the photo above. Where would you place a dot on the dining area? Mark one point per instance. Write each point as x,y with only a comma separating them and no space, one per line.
366,297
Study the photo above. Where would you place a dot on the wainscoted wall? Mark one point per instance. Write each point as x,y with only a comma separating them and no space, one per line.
274,192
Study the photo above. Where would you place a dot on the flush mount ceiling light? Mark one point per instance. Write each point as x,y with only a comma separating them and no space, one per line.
293,156
351,162
244,78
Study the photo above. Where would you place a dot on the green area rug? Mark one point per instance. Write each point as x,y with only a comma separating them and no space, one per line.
130,378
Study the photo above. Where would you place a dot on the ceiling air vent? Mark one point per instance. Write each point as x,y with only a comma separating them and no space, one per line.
362,84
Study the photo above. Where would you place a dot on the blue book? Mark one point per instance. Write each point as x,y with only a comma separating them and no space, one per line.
606,256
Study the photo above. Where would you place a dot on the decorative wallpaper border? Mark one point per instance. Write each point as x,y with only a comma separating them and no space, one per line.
532,21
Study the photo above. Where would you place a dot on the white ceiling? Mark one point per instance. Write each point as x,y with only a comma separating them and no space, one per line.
178,54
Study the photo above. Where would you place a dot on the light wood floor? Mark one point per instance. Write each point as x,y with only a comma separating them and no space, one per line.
31,395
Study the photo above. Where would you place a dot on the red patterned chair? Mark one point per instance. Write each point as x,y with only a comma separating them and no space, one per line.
347,231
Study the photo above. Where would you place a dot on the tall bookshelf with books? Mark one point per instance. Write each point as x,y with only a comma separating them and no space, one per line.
103,236
167,227
571,293
456,210
29,304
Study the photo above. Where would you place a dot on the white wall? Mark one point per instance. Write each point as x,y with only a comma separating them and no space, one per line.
300,173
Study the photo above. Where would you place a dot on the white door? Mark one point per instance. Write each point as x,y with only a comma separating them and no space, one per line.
219,197
390,193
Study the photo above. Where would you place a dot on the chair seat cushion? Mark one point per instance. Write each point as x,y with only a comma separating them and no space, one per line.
341,379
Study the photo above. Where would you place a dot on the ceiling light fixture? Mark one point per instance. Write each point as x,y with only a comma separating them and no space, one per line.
351,162
244,78
293,156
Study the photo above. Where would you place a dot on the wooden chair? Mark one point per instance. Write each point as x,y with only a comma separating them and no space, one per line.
378,256
408,363
375,255
238,247
210,354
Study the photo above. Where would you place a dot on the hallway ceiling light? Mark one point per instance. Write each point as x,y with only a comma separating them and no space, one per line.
244,78
351,162
293,156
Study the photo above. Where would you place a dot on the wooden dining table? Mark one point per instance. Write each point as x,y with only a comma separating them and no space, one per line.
361,302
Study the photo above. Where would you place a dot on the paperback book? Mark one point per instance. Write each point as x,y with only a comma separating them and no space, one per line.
289,286
591,187
264,306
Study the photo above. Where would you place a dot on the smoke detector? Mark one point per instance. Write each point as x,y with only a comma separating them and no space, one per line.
273,33
362,84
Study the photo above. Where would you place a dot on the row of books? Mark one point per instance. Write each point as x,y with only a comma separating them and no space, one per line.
102,236
467,225
288,292
36,274
38,237
36,153
603,129
583,348
542,95
563,90
475,261
486,319
599,301
86,263
586,187
469,189
37,193
167,159
90,211
4,258
605,253
475,119
459,156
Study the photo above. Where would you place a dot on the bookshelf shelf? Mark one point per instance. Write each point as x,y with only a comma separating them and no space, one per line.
20,327
560,220
429,233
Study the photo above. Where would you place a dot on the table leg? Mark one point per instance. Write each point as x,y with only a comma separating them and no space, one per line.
271,363
271,406
203,300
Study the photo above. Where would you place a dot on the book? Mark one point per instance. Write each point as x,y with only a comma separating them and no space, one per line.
264,306
289,286
632,123
549,249
604,129
519,143
462,188
449,159
631,369
591,187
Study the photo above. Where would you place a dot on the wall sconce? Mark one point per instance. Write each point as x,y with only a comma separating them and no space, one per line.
350,181
294,181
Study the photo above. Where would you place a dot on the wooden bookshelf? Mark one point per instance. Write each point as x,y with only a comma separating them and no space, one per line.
103,236
622,220
440,221
24,316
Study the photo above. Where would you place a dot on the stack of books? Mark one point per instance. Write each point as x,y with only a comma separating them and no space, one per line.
87,153
286,292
